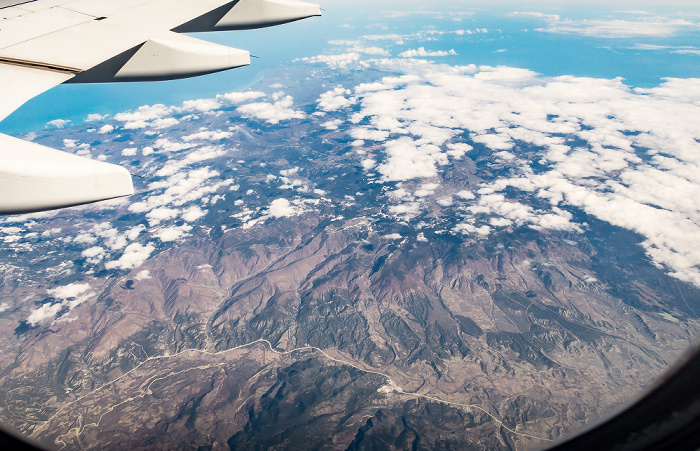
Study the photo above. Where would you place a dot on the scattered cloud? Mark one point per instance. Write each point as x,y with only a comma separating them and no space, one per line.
96,117
58,123
143,275
240,97
208,135
66,298
422,52
272,113
172,233
282,208
134,255
628,156
335,99
335,61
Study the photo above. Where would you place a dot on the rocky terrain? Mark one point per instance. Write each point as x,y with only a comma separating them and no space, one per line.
329,326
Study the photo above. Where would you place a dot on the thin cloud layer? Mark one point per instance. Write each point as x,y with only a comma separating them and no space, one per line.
653,27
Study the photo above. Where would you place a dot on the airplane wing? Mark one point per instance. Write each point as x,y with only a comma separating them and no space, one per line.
44,43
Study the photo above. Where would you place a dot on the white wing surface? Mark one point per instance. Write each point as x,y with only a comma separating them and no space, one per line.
44,43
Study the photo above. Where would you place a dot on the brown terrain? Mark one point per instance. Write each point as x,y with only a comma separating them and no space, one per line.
307,334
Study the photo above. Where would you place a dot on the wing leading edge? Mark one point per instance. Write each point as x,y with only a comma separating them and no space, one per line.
44,43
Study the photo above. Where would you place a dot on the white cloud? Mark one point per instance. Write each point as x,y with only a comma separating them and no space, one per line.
172,233
272,113
405,211
445,201
69,291
193,213
129,151
167,145
370,50
44,312
280,208
408,160
94,254
134,255
240,97
680,49
335,61
66,298
464,194
535,15
332,125
207,135
422,52
335,99
475,31
143,116
290,171
397,38
96,117
58,123
157,215
201,105
143,275
655,27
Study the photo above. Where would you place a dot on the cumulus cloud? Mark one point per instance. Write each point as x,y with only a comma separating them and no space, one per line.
58,123
332,124
66,298
422,52
272,113
166,145
200,105
96,117
94,254
142,117
335,99
281,208
134,255
335,61
477,30
207,135
172,233
408,160
240,97
143,275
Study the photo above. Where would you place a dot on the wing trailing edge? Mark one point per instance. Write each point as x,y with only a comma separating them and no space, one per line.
37,178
